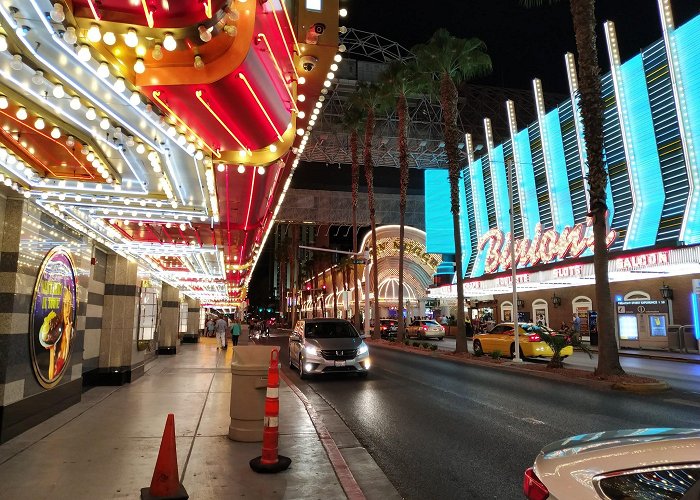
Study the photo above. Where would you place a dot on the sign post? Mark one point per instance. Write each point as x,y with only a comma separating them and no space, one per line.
514,267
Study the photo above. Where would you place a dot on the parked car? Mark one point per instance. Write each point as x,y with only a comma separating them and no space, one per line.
500,338
388,328
625,464
425,328
327,345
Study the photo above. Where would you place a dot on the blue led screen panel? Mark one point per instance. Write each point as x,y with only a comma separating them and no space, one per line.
464,226
438,217
559,194
499,184
687,43
526,184
643,158
479,197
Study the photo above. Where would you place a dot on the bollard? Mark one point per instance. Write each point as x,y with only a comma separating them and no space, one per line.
270,461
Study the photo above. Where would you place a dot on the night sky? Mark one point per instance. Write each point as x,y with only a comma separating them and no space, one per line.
524,43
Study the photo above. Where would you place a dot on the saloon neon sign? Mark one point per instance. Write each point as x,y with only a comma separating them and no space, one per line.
546,246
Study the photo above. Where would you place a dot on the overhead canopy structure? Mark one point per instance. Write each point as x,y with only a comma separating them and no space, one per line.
167,131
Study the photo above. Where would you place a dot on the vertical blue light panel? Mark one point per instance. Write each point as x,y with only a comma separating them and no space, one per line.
480,213
526,184
642,157
477,187
500,189
584,156
687,44
559,194
464,224
438,217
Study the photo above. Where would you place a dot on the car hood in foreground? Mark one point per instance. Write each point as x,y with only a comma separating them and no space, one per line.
569,467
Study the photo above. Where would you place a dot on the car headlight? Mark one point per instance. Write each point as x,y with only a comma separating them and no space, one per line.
311,350
363,349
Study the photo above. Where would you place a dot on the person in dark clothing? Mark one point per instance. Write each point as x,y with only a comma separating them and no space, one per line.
468,328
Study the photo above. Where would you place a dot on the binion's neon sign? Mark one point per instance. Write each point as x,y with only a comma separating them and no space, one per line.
546,246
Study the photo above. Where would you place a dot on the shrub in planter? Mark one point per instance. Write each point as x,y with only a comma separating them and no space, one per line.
496,354
426,345
416,344
406,342
433,347
392,339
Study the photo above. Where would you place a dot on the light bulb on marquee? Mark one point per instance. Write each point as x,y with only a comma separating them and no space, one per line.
131,39
75,103
139,66
84,53
94,34
109,38
169,42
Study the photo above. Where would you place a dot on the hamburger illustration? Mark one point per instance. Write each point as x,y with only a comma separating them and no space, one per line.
51,329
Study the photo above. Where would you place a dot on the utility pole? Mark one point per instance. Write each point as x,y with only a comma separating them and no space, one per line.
513,265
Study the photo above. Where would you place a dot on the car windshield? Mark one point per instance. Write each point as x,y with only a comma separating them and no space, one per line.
430,323
329,330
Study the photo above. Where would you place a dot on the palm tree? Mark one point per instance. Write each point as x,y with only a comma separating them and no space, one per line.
397,82
448,61
591,106
353,121
371,99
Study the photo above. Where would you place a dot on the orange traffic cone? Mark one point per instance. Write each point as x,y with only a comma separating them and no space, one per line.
270,461
166,484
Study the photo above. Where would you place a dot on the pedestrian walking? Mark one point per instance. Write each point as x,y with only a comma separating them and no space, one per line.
220,327
210,327
576,325
235,331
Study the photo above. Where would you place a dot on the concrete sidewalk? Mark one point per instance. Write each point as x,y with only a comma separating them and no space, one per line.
106,446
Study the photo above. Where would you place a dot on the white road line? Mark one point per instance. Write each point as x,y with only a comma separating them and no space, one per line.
683,402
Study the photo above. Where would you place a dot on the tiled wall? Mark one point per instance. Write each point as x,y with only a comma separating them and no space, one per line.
27,236
93,314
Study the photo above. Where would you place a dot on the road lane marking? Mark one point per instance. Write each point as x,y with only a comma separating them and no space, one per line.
683,402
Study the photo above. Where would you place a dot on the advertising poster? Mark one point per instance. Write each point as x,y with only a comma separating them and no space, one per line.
52,317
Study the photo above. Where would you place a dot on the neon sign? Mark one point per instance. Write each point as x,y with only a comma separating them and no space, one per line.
546,246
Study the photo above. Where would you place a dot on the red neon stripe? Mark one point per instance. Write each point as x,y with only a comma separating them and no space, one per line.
94,11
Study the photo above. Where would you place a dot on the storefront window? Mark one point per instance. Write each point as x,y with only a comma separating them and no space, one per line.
183,317
540,312
148,313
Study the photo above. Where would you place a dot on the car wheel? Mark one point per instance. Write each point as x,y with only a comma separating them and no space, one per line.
291,363
512,352
478,350
302,373
564,357
439,338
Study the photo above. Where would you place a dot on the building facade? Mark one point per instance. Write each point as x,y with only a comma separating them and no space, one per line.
652,129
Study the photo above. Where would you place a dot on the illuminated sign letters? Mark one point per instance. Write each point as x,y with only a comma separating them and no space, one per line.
546,246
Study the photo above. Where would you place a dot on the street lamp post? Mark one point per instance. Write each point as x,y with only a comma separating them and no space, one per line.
366,273
513,265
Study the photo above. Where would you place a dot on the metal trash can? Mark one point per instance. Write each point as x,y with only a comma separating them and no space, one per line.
248,388
675,338
689,341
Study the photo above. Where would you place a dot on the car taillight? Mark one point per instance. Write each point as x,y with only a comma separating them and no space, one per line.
443,329
383,327
533,487
534,337
425,328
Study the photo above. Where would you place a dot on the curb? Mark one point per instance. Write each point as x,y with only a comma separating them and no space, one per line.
639,388
340,466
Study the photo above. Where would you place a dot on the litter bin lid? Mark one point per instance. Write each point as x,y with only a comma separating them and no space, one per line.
252,357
